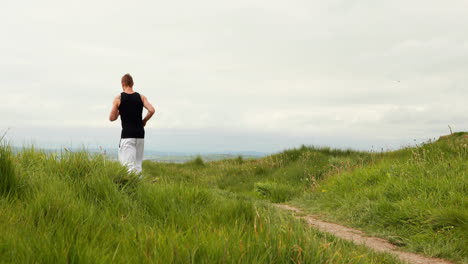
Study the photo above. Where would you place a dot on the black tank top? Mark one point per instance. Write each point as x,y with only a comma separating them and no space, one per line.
131,111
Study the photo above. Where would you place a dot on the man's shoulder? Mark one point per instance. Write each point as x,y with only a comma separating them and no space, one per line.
117,99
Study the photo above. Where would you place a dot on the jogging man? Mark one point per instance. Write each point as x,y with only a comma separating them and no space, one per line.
129,105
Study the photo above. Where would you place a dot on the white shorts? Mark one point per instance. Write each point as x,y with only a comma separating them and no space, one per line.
131,153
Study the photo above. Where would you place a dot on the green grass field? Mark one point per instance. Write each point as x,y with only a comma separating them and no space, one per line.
79,208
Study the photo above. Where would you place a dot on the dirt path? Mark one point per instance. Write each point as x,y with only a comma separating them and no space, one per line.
358,237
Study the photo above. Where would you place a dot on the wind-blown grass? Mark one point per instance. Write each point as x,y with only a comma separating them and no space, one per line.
74,207
78,208
8,179
416,197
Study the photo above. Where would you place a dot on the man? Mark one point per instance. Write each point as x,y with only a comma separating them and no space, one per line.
129,105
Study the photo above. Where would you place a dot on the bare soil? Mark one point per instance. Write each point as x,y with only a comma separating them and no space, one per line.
358,237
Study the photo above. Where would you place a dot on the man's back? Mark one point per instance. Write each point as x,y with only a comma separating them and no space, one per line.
131,111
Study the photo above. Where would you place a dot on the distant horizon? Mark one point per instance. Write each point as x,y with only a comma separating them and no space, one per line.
209,141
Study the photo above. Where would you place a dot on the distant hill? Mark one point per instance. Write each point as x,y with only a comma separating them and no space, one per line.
160,156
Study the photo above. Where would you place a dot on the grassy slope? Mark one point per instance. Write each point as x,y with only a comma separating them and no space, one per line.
415,197
83,209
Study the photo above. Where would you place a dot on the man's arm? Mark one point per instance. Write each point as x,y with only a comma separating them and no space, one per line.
148,107
114,114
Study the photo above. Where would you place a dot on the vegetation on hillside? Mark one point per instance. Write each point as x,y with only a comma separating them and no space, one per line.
78,208
416,197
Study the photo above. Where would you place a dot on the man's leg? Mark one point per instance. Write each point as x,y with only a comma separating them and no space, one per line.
140,147
127,153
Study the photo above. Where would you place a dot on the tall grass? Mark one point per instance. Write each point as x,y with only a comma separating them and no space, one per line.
79,208
8,180
416,197
76,207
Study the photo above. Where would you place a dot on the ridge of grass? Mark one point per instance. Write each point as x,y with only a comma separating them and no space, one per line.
75,207
78,208
417,197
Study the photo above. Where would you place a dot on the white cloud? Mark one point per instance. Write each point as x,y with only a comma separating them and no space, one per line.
374,69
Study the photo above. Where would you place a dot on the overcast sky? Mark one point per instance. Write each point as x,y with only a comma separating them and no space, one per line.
236,75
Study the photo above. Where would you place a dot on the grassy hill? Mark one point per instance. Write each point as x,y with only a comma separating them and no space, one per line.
416,197
82,208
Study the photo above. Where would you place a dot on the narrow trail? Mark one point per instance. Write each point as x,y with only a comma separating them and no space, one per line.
358,237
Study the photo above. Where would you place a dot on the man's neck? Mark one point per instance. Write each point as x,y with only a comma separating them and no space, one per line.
128,89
